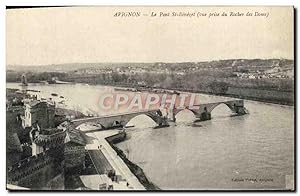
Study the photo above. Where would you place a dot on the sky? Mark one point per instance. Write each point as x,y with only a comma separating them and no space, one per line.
44,36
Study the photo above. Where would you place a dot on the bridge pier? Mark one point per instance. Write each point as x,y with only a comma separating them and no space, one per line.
240,110
162,122
172,117
205,115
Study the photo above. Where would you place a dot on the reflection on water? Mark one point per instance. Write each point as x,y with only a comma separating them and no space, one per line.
226,152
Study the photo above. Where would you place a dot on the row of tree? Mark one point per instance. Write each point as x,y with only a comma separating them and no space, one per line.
210,81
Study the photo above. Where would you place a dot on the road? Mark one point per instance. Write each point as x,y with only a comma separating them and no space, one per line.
97,139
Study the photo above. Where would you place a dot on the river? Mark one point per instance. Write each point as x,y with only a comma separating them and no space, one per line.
254,151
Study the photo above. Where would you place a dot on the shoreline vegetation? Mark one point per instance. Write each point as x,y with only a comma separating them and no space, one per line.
135,169
260,98
266,80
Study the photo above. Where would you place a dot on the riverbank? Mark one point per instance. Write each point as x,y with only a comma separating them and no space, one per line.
275,96
260,95
254,94
135,169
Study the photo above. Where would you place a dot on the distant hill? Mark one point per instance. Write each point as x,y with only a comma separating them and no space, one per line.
217,64
70,66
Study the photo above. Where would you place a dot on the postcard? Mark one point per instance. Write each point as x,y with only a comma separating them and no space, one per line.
150,98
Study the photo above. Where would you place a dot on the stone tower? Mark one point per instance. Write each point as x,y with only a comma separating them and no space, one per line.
39,112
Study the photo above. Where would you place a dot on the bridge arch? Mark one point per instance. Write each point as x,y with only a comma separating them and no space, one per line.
229,105
151,118
79,126
185,110
176,111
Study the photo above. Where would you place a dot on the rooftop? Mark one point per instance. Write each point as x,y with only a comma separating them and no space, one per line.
75,136
34,103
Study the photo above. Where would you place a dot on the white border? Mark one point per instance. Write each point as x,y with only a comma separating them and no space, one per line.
150,2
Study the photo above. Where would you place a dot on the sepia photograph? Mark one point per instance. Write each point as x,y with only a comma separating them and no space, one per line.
150,98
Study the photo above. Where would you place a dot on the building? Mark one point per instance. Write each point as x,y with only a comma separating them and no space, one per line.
45,168
53,150
44,139
74,150
40,171
39,112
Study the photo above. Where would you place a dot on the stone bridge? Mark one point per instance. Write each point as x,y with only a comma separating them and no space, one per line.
120,120
203,111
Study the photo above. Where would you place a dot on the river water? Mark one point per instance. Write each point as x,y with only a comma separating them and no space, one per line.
254,151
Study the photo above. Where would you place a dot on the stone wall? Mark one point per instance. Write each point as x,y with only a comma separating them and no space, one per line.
35,171
119,137
74,157
57,183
